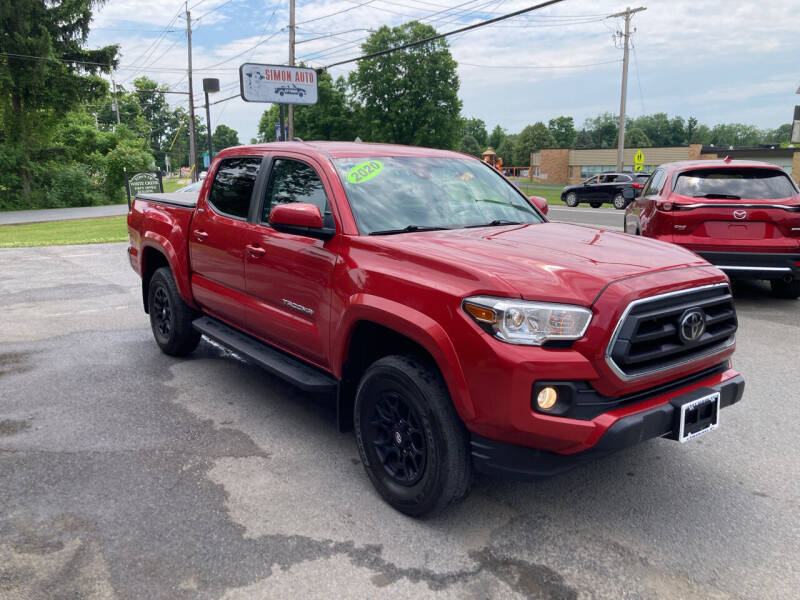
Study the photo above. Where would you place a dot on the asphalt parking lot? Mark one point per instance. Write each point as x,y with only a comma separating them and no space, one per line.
125,473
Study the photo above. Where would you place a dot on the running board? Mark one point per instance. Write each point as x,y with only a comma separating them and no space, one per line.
305,377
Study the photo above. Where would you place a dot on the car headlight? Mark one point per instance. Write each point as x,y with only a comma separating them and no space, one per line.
528,323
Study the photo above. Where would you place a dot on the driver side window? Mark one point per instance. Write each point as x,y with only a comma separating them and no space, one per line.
294,181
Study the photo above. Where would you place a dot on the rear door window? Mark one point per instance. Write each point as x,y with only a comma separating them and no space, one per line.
732,183
233,186
654,185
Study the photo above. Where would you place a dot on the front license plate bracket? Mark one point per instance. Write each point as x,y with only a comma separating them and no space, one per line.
695,415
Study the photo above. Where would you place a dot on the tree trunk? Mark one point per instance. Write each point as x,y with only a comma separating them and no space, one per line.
18,137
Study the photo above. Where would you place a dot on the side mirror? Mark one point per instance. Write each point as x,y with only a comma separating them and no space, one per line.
539,203
629,193
300,218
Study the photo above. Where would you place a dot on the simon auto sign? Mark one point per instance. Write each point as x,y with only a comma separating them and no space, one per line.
277,83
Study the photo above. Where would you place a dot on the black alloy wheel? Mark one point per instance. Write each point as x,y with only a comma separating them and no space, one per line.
397,438
412,443
162,312
170,317
571,199
620,202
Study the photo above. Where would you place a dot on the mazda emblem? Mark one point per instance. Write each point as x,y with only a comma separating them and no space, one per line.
692,325
740,214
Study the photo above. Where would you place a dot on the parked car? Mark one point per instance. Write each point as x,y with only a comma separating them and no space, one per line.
192,187
743,216
453,325
604,187
291,90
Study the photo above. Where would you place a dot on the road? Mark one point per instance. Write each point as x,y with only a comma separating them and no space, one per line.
128,474
61,214
608,218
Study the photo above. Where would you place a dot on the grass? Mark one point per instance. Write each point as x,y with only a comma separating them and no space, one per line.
61,233
551,193
170,185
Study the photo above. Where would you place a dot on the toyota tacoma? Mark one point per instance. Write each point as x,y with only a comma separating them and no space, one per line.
455,327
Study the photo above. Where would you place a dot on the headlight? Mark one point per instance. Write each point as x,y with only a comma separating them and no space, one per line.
528,323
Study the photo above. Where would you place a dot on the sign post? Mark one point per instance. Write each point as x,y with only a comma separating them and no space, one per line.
278,84
796,124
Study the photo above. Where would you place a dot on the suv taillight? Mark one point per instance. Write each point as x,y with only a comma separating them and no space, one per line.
665,206
638,186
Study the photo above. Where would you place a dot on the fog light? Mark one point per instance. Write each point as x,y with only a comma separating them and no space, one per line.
547,397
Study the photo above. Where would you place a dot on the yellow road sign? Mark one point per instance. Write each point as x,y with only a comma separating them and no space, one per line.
638,160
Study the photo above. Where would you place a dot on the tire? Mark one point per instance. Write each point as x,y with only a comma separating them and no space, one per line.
571,200
785,289
620,203
595,204
170,317
413,445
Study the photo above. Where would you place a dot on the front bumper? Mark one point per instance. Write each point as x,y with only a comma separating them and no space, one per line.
519,462
755,265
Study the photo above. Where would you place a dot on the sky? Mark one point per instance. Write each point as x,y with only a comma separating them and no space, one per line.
720,61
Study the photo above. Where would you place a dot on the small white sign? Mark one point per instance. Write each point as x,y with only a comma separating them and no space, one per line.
277,83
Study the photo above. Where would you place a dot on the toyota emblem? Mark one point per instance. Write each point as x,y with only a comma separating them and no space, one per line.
692,325
740,214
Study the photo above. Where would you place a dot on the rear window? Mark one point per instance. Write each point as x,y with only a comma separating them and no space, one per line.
734,184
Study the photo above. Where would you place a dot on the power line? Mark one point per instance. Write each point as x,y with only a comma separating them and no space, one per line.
339,12
515,66
439,36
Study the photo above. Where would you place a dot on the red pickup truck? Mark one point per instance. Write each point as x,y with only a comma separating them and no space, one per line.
456,328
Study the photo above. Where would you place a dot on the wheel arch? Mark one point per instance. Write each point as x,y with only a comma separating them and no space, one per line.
374,328
157,253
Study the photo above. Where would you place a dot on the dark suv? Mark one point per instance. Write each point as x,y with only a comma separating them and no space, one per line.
605,187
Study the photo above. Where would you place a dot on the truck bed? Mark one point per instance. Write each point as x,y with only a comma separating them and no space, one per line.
179,199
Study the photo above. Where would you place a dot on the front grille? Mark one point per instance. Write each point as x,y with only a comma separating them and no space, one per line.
659,333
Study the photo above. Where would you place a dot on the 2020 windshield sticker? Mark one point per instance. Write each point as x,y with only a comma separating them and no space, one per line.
365,171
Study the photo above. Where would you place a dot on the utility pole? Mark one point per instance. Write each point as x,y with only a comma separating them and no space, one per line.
192,146
116,102
629,12
291,64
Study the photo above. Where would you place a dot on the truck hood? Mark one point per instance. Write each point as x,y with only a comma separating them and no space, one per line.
545,261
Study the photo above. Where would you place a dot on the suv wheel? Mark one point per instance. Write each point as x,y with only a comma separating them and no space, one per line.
595,204
785,289
620,202
413,445
170,317
571,200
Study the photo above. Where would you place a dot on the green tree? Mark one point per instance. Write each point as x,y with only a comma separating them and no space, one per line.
603,130
637,138
408,96
475,128
583,139
224,137
469,145
506,151
531,139
691,128
735,134
37,93
780,135
563,131
497,136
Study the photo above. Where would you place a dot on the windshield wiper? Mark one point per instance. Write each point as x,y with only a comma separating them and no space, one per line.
495,223
721,196
408,229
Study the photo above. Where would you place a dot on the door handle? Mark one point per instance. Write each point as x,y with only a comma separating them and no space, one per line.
255,251
200,235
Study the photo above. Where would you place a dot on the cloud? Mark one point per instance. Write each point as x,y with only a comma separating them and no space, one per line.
716,59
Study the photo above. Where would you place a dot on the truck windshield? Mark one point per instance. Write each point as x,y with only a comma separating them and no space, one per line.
734,183
404,194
